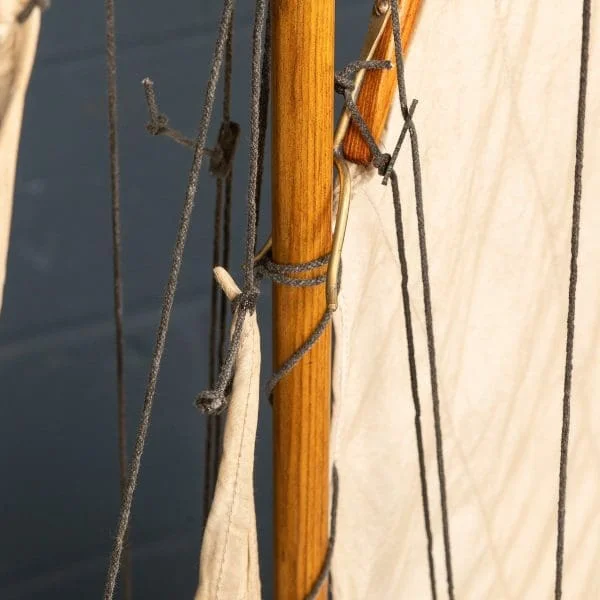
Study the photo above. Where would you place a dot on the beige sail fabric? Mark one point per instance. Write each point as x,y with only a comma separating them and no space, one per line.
497,84
18,43
229,557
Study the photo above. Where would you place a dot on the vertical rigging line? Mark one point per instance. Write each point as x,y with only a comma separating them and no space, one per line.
426,297
575,228
265,91
169,299
211,454
111,67
225,235
414,380
218,304
258,37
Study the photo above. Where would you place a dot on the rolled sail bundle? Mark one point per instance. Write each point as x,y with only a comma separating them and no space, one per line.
229,555
19,29
497,85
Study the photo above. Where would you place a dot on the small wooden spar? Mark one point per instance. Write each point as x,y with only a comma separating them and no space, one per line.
374,98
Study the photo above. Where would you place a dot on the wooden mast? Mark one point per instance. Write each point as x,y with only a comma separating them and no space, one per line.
303,103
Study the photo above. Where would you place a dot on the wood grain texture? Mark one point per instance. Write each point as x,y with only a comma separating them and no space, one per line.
377,91
303,104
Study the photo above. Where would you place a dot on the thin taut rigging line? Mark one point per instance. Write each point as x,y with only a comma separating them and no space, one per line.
113,141
426,298
218,300
577,193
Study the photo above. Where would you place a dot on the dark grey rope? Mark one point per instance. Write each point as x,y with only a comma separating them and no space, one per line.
159,123
220,166
396,152
113,142
344,85
578,188
169,297
326,568
214,400
295,358
426,296
256,124
28,9
385,164
214,363
282,273
414,379
265,90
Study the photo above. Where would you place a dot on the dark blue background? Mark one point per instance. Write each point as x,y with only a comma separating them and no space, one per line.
58,472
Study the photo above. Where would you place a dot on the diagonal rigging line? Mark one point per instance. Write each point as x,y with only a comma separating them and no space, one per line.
218,300
426,296
169,298
577,193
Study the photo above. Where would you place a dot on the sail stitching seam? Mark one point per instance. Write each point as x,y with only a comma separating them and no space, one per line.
237,470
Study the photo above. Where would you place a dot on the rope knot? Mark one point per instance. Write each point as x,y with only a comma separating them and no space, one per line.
222,155
343,82
344,79
246,301
157,125
211,402
381,162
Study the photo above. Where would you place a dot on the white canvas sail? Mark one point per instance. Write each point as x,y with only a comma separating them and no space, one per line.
18,43
497,85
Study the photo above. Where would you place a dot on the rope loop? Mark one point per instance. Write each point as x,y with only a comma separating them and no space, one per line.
216,400
344,80
283,273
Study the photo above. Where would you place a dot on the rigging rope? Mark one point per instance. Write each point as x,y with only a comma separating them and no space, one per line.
214,400
385,164
168,300
416,163
414,380
577,193
111,64
221,168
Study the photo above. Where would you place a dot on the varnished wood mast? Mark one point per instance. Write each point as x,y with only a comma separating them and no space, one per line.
303,70
303,103
377,91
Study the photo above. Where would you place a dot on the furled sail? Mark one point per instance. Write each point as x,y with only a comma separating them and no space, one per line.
229,556
19,29
497,88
